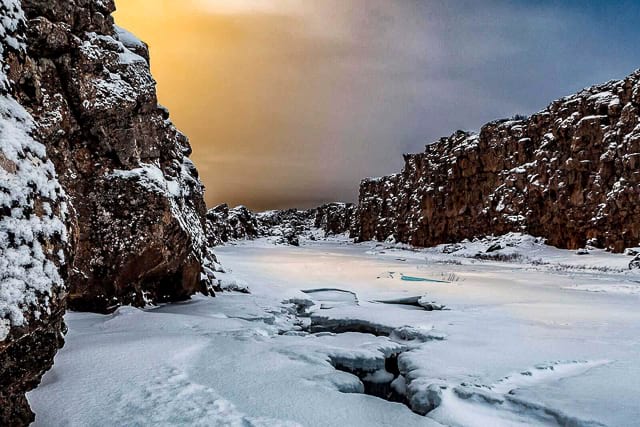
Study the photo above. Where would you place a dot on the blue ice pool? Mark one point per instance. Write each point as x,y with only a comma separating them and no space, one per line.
420,279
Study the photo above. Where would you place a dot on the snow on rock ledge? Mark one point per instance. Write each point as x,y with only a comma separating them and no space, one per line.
139,203
33,211
568,173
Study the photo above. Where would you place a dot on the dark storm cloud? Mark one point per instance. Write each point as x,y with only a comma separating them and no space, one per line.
302,99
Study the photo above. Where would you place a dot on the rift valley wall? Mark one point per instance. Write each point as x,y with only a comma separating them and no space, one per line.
136,195
35,238
570,173
99,202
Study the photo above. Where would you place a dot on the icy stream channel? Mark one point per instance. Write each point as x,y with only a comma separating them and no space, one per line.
329,338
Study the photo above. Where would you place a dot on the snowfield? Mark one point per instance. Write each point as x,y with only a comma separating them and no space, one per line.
497,332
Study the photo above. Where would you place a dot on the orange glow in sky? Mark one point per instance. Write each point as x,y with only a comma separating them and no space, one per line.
290,103
232,83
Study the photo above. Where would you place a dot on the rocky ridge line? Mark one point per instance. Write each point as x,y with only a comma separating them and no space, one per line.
225,224
570,174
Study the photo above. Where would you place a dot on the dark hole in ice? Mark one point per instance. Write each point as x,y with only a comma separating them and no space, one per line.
391,365
379,383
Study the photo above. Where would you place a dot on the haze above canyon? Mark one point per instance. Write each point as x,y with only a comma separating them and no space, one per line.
291,103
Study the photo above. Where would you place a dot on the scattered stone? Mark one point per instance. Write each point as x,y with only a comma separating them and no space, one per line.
233,285
452,248
302,305
632,251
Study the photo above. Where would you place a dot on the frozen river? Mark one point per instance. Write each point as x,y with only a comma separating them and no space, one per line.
338,334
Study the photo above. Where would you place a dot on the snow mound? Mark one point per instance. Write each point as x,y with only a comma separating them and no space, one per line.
505,247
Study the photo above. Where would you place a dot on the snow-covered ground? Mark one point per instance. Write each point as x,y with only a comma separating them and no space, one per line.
534,336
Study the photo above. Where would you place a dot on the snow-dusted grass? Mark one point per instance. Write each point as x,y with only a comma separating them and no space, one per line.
523,343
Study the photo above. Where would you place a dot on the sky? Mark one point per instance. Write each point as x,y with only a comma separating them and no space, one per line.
290,103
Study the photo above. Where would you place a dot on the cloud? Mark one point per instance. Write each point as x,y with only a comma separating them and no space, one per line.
276,7
295,101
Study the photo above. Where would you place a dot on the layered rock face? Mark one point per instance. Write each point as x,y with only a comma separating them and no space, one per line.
138,201
570,173
35,236
100,205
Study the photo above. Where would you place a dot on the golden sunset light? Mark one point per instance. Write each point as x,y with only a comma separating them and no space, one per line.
394,213
233,81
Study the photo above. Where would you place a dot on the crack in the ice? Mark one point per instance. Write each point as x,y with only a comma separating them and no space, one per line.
427,397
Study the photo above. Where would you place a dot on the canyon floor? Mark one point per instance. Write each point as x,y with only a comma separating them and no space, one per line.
342,334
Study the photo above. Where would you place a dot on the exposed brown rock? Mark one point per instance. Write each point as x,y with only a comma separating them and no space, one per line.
335,218
568,173
239,223
133,230
124,165
225,224
36,233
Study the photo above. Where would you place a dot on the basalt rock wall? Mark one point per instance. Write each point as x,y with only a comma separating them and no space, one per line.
137,198
36,237
99,203
225,224
334,218
570,173
287,226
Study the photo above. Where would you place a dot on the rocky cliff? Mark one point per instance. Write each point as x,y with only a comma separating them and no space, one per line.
99,203
36,231
570,173
335,218
138,201
225,224
286,226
